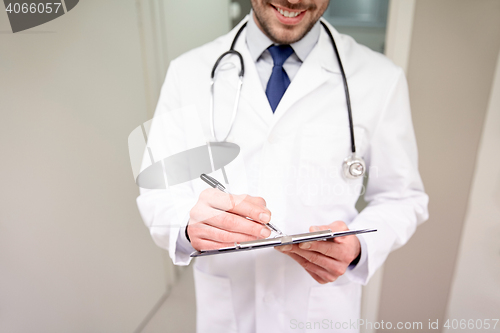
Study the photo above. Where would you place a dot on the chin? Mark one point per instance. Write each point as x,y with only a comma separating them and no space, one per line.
287,36
283,34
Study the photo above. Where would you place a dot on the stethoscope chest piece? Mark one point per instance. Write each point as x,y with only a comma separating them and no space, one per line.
354,167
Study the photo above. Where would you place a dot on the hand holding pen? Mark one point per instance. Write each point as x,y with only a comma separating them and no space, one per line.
216,221
216,184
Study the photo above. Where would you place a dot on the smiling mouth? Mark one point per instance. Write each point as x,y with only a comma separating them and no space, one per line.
286,13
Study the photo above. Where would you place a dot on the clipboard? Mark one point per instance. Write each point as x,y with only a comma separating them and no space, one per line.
279,241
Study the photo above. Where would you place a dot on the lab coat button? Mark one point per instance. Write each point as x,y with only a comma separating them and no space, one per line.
269,299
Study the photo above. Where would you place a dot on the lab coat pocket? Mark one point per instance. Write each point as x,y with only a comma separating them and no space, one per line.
334,308
323,149
214,304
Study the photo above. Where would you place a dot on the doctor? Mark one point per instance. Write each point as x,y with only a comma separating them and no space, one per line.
292,125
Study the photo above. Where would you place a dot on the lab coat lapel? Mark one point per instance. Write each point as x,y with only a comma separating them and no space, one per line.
252,92
315,71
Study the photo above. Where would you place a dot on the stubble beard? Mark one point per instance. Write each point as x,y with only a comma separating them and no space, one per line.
266,27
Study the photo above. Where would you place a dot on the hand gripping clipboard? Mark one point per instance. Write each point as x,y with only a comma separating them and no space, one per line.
283,240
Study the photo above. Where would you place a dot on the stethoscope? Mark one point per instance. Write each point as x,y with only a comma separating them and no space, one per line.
353,166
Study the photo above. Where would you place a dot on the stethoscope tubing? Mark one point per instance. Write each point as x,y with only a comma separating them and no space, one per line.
346,87
353,159
233,115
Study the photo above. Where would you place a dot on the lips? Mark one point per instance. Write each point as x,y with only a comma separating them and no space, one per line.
288,16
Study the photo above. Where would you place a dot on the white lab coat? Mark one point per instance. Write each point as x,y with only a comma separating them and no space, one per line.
292,159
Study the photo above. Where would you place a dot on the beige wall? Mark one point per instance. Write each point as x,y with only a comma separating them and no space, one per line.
75,255
168,28
475,293
453,56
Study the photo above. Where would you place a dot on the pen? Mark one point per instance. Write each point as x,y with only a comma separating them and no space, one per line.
216,184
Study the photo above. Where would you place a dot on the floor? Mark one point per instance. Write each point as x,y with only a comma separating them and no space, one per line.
178,313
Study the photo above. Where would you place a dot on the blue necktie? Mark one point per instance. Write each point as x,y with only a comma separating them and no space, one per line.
279,80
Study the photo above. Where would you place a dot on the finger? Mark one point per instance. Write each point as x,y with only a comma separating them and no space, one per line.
257,200
340,226
327,248
235,223
243,205
319,228
200,244
204,215
344,239
335,227
342,252
253,208
317,278
312,268
218,235
283,248
220,200
333,267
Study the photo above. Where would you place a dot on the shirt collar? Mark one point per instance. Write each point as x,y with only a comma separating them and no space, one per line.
258,42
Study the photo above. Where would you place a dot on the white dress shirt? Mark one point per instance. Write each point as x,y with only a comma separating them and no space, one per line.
258,42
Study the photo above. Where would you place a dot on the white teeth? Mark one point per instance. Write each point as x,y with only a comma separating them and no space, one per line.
287,13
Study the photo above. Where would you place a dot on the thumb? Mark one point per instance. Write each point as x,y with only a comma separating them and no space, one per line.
335,227
319,228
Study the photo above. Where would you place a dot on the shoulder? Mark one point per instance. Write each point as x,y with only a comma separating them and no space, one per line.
372,73
206,55
374,76
360,60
